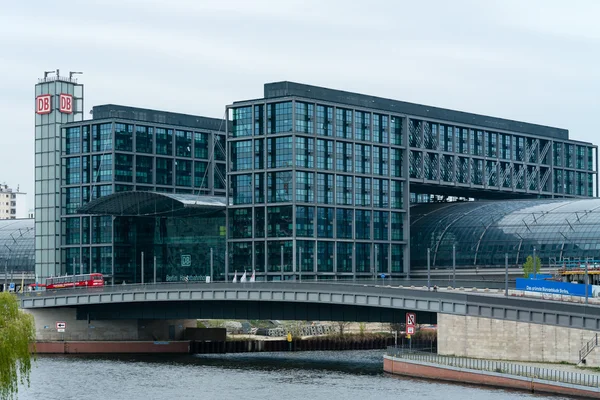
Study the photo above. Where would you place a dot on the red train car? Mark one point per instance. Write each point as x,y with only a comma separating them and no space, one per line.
75,281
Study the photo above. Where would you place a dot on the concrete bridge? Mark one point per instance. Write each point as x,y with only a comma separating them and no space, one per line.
471,324
306,301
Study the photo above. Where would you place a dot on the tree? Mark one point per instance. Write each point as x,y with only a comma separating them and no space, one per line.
17,332
342,325
528,266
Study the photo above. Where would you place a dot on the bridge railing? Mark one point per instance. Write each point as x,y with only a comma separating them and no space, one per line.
416,283
501,367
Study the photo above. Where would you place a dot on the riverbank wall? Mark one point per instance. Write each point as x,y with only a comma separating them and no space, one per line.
539,381
117,347
220,347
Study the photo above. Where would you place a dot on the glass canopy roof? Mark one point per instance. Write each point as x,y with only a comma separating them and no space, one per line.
562,232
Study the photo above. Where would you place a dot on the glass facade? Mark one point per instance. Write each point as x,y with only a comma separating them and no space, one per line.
338,172
330,176
117,155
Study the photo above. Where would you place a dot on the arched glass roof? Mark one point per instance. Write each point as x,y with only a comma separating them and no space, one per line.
17,245
562,231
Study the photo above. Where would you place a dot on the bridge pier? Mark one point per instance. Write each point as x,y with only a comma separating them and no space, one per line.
104,330
488,338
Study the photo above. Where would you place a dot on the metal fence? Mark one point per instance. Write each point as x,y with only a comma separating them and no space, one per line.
501,367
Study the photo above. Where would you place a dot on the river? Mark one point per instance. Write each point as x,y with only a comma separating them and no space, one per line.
348,375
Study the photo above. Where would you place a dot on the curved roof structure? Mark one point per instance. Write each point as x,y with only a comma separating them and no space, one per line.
154,204
562,231
17,245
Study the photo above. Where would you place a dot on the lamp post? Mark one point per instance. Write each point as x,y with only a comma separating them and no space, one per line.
211,264
586,281
375,266
534,265
300,267
454,265
142,267
428,269
506,274
155,270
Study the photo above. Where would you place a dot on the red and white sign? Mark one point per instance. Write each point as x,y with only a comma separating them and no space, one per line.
43,104
410,330
66,103
411,319
61,325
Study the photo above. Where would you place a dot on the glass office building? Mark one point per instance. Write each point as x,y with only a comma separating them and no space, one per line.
133,151
321,179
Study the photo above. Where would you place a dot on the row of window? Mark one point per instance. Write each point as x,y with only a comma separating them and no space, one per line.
315,222
316,119
88,230
148,170
316,187
311,256
346,156
141,139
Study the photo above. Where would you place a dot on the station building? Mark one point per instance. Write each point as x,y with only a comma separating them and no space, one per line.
322,183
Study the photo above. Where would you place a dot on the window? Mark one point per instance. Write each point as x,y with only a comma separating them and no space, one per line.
305,152
241,155
102,137
73,170
305,217
240,223
73,200
305,182
102,168
143,139
242,121
279,116
164,141
279,186
324,222
362,126
123,137
201,145
304,117
259,188
183,143
183,172
101,229
344,223
343,123
123,167
73,136
200,174
380,128
143,169
279,221
324,154
280,152
242,189
324,120
164,171
325,188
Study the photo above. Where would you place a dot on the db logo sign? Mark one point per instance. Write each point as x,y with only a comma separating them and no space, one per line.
42,104
66,103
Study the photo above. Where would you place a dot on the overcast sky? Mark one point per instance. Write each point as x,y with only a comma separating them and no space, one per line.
535,60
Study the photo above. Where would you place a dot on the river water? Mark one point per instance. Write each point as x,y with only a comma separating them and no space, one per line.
348,375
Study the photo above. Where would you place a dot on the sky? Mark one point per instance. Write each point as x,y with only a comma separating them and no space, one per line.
535,61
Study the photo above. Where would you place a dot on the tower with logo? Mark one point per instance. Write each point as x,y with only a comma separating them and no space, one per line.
58,100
